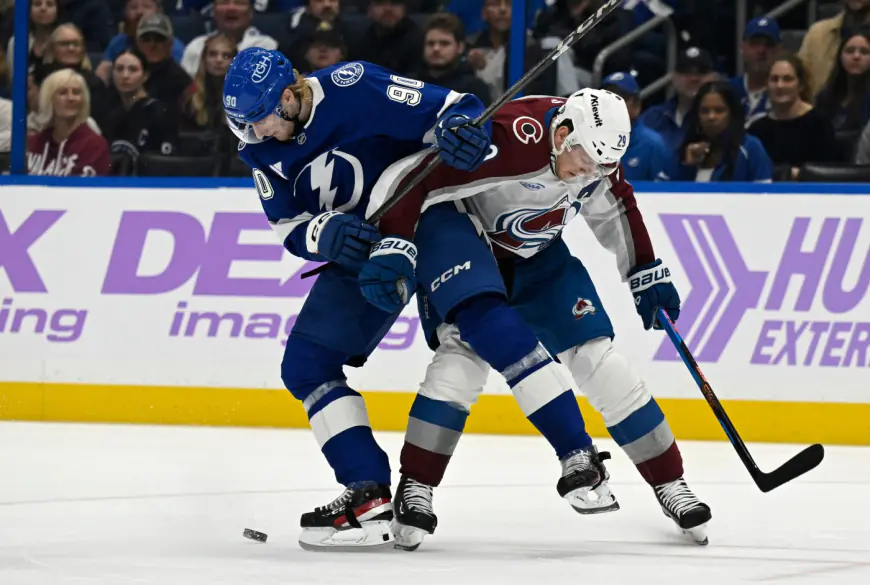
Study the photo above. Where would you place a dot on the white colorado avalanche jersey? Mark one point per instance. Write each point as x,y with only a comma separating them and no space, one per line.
521,205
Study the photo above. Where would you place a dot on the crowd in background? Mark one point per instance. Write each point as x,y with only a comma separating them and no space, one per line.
123,87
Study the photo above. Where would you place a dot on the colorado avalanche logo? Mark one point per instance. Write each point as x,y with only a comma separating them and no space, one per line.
531,229
582,308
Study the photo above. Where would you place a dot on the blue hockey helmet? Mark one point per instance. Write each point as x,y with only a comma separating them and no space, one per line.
254,83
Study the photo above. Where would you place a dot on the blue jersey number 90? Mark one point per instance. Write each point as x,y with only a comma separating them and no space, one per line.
405,91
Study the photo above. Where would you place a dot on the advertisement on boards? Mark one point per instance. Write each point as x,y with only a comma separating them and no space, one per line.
191,288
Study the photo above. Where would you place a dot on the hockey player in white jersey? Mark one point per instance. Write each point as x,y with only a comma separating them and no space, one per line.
551,159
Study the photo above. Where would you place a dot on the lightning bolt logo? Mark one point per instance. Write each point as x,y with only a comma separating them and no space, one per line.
321,180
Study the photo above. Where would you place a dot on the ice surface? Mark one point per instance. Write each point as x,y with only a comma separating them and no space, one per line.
122,505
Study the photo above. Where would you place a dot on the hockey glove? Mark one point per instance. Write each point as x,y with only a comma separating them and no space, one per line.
652,288
387,278
463,146
341,238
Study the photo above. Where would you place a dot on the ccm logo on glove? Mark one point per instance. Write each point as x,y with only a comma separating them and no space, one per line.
648,278
315,228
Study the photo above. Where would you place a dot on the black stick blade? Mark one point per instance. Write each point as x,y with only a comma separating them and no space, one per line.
805,461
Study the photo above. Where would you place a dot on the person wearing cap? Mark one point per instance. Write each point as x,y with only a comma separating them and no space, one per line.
693,69
325,49
392,39
167,81
822,42
646,155
233,18
134,10
761,40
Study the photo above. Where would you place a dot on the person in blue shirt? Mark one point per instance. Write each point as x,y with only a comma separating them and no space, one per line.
317,146
647,154
134,11
694,67
761,40
716,146
471,12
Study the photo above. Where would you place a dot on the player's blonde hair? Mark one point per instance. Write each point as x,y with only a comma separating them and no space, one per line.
53,84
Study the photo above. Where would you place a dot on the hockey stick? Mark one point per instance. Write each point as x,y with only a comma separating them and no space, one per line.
801,463
489,112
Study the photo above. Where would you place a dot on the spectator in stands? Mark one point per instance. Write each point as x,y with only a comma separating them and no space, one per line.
316,15
66,49
490,48
716,146
785,128
141,123
66,146
693,69
203,105
819,48
443,48
94,18
325,49
563,17
761,40
647,154
5,77
44,18
206,7
134,10
166,80
845,98
5,125
862,152
391,40
470,12
232,18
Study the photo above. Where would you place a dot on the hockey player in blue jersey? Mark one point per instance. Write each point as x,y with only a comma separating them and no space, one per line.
316,147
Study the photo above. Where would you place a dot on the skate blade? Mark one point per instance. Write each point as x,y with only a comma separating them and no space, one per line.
603,502
698,534
373,536
407,538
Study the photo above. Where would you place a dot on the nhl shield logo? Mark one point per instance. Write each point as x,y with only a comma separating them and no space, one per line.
582,308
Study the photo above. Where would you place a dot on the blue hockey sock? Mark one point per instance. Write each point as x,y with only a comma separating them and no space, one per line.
498,334
337,414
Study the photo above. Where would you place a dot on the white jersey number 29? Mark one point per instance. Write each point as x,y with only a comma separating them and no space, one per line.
405,91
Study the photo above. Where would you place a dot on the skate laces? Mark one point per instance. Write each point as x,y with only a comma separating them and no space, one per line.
339,503
579,460
677,497
418,496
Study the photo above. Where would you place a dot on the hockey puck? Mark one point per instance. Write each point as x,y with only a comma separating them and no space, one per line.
254,535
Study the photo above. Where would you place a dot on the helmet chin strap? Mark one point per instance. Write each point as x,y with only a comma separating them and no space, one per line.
301,98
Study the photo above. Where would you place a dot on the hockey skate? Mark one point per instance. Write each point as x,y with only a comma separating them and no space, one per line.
584,476
358,519
683,507
414,517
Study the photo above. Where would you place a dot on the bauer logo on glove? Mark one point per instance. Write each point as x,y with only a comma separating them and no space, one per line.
649,278
652,288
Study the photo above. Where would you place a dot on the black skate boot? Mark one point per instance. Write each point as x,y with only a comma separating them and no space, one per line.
358,519
414,516
583,472
683,507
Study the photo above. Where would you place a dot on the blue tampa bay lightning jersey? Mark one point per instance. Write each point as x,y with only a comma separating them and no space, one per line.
363,119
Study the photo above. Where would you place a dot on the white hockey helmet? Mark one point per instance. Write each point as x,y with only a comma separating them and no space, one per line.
601,127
